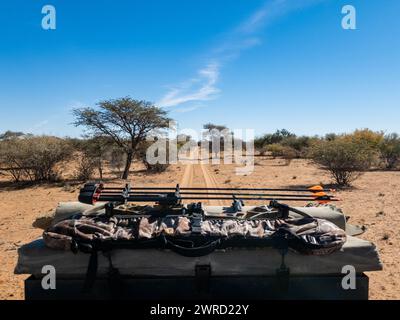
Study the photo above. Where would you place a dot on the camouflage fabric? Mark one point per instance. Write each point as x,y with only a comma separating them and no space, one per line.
329,205
305,235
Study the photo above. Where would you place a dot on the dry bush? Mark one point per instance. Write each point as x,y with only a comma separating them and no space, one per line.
275,150
92,154
299,144
13,155
284,152
262,151
152,167
365,138
368,141
330,136
344,158
116,159
157,167
389,149
86,167
34,158
262,143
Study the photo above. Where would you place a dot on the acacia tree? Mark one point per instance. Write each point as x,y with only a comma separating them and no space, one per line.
210,127
216,134
125,120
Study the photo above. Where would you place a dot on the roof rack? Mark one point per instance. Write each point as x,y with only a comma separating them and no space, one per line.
97,192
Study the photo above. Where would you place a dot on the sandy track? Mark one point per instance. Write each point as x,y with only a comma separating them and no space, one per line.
201,172
210,182
187,178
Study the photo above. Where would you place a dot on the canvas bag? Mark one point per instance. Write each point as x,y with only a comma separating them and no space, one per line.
193,236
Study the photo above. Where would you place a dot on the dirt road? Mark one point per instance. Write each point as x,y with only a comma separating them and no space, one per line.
197,167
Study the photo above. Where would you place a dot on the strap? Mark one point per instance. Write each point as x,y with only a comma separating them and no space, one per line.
193,251
302,213
283,273
91,272
114,278
284,209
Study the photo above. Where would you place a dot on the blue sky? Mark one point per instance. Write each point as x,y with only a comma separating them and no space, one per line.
245,64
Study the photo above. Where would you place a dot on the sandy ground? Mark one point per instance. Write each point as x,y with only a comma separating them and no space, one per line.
372,202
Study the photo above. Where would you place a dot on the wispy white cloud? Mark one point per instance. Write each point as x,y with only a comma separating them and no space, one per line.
258,19
189,108
203,86
232,48
269,11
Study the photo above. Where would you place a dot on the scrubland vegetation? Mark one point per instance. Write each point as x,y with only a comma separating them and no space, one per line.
345,156
117,132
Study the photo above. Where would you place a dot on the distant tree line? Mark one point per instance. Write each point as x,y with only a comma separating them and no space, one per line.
345,156
117,131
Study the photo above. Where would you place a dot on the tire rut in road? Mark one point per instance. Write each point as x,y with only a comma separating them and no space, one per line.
210,182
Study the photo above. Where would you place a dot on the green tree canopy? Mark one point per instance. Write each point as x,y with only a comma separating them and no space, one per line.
125,120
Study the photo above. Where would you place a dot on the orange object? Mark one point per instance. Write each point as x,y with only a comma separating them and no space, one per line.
320,194
316,188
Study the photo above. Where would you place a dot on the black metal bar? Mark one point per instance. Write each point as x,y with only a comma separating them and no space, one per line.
218,194
153,198
117,198
257,198
218,189
249,194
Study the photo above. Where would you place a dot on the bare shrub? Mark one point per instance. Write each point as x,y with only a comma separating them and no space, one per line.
86,167
116,159
46,152
34,158
13,158
92,156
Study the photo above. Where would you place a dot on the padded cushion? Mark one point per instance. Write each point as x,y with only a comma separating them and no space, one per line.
67,209
152,262
326,213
